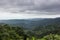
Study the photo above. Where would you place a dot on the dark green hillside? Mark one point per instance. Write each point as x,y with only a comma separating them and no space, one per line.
11,33
49,32
46,29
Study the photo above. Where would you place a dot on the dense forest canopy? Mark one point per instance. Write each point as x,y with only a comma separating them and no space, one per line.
49,30
8,32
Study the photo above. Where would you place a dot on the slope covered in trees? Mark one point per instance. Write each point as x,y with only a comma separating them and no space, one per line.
50,31
10,33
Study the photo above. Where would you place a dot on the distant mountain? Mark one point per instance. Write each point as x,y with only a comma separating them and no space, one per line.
30,23
27,23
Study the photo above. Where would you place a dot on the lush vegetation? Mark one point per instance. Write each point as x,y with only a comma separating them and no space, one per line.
49,32
10,33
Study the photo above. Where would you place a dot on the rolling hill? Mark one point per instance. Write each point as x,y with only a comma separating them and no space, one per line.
31,23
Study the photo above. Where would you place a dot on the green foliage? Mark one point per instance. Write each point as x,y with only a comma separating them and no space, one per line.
51,37
49,32
10,33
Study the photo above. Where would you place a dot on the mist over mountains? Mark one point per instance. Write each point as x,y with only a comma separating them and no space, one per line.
30,23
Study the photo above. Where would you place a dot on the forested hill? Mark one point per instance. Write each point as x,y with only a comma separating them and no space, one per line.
30,23
42,29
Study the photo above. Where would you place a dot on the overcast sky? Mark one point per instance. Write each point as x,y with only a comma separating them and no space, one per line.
23,9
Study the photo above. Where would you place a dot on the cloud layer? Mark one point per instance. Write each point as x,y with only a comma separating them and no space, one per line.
31,6
7,16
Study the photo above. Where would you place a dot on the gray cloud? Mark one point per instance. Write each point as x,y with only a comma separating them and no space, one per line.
31,5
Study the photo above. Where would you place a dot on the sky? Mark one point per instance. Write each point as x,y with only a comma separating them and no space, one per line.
25,9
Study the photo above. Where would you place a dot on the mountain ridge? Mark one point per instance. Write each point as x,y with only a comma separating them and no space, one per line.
29,23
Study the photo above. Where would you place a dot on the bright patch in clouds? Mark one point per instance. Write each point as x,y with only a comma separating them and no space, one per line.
7,15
